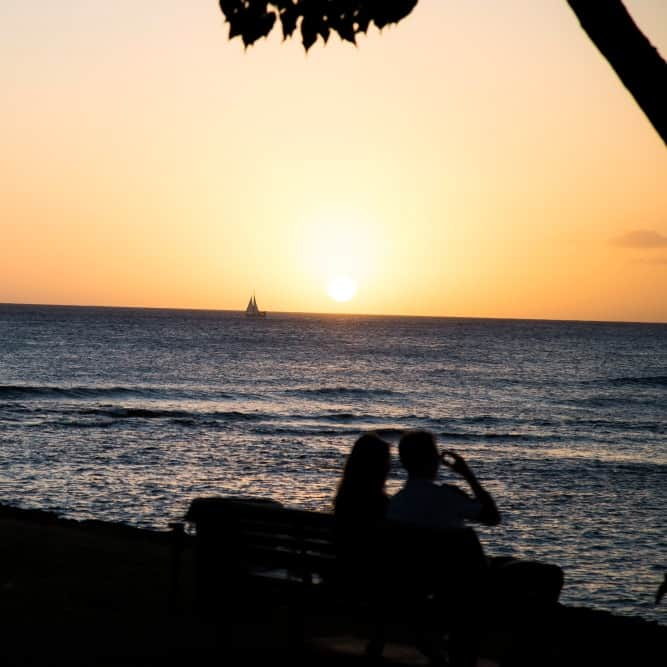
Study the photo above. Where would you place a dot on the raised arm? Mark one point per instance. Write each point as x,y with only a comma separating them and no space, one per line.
489,514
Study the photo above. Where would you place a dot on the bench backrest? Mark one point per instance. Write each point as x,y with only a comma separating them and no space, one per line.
237,538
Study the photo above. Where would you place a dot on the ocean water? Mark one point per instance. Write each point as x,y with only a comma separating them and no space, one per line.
128,414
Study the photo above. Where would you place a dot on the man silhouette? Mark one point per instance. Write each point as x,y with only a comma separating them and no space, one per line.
423,502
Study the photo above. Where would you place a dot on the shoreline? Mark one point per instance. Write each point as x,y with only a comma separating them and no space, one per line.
80,583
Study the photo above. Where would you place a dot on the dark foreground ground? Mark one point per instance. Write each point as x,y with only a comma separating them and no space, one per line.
94,593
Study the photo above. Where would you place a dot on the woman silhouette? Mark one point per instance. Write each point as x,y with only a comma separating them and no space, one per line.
359,507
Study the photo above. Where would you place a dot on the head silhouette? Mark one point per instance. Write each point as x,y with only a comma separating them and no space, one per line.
367,465
419,455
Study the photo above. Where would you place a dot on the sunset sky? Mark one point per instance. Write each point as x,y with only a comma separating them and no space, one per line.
478,159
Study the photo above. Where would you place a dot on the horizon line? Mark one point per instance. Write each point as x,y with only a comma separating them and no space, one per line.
321,313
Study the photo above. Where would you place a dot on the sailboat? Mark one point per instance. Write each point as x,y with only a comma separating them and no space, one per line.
252,310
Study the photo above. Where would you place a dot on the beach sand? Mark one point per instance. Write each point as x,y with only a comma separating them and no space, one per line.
84,593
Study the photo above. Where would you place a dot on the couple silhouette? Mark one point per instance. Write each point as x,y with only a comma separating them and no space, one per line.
453,575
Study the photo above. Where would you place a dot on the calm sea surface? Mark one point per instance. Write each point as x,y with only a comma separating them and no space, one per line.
128,414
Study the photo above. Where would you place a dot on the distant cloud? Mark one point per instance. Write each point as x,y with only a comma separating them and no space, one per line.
640,238
655,260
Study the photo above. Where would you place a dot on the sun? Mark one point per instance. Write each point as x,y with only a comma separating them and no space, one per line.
341,288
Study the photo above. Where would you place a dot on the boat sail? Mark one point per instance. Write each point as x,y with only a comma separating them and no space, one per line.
252,310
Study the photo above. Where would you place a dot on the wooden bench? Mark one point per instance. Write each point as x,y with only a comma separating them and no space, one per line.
249,542
243,546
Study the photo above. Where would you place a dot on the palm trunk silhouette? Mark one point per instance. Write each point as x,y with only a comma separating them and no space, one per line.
632,56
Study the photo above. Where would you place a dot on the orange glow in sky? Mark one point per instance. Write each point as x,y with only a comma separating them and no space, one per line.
478,159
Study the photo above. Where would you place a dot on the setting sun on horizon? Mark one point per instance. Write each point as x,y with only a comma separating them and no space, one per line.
474,160
341,288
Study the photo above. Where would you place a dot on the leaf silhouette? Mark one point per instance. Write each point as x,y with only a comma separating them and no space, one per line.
324,29
346,30
309,30
363,21
288,19
392,11
257,25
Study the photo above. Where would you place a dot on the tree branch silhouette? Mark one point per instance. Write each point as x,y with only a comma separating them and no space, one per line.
606,22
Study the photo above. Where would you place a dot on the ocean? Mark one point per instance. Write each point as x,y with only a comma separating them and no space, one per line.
127,414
